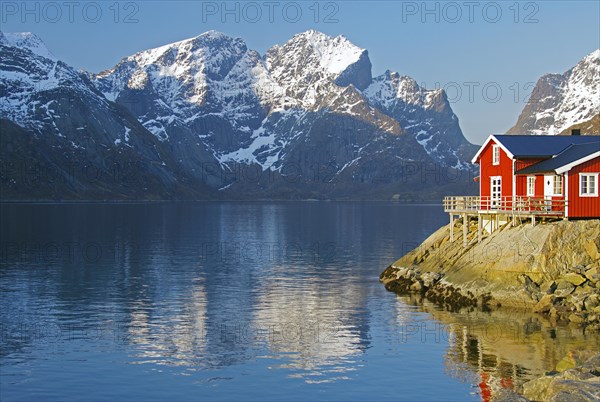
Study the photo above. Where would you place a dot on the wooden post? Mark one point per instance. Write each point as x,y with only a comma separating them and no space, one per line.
532,220
479,228
451,227
465,223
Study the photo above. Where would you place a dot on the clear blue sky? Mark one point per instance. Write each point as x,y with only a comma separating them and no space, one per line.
462,46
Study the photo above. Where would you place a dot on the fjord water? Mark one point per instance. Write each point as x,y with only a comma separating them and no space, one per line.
242,301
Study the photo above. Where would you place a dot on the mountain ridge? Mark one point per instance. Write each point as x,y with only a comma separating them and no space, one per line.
308,108
561,101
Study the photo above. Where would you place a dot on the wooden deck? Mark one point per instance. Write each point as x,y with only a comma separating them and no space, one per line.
491,213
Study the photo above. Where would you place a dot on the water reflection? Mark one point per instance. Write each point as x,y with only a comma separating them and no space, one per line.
503,348
281,297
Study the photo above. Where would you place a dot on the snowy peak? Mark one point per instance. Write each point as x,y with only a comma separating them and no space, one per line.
211,53
179,73
560,101
312,56
390,88
335,55
26,40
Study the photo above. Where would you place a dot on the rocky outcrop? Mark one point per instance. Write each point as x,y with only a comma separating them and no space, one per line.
580,383
552,268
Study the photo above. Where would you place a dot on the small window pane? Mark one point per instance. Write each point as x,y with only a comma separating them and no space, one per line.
557,185
584,185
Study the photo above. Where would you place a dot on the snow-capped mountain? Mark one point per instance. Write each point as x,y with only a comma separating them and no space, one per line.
61,138
306,120
561,101
425,114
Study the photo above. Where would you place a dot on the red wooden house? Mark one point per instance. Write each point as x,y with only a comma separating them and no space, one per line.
552,175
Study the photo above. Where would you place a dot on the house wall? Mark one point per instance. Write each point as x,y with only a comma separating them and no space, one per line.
521,183
487,169
583,207
523,163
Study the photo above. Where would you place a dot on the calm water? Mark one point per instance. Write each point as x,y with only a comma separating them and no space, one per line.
254,301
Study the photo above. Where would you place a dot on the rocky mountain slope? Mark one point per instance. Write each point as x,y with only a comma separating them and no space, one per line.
561,101
209,118
61,138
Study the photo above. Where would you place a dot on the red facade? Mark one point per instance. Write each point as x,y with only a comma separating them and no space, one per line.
583,207
516,185
487,170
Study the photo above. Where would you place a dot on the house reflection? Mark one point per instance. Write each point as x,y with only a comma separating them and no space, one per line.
505,348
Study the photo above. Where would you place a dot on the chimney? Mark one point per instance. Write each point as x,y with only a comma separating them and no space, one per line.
575,131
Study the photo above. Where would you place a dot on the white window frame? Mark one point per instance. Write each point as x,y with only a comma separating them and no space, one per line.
495,154
558,177
587,194
531,183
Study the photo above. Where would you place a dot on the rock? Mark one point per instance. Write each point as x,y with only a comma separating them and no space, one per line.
430,278
592,364
507,395
577,375
548,287
564,288
592,250
578,383
537,389
591,301
577,318
574,279
417,286
577,298
593,274
545,304
568,362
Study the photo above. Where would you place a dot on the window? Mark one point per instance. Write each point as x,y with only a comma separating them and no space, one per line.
530,186
495,154
557,187
588,184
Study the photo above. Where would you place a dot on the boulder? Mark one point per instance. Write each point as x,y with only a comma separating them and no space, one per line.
577,318
592,301
592,250
417,286
548,287
430,278
593,274
564,288
574,279
507,395
545,304
578,383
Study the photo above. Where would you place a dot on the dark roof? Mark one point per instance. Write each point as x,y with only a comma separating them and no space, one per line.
569,155
542,146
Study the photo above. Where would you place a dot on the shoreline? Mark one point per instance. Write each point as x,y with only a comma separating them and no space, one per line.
552,269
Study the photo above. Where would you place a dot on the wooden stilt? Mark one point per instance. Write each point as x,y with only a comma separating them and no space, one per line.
465,228
479,228
451,227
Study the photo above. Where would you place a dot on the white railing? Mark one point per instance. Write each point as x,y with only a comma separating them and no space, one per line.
514,205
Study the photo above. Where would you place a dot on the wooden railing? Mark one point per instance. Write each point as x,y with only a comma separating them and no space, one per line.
518,205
